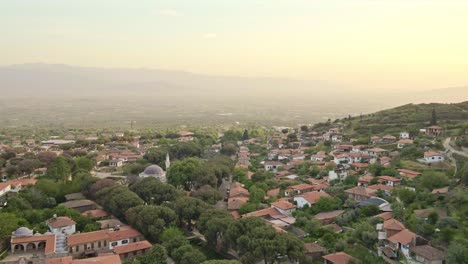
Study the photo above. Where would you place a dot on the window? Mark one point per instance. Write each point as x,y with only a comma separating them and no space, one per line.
77,248
125,241
92,245
99,244
105,243
71,250
114,244
134,239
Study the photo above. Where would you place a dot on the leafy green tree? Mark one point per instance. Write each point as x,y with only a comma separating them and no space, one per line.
10,222
84,164
59,169
229,149
207,194
151,220
213,224
189,209
327,203
221,261
256,194
433,117
457,253
154,192
118,199
191,172
157,255
172,239
245,136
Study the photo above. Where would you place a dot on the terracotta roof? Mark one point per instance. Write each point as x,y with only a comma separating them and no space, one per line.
62,260
313,197
4,185
409,173
235,214
302,186
432,154
272,212
124,232
428,252
49,240
388,178
362,191
98,213
273,192
404,237
393,224
339,258
385,216
313,248
23,182
359,165
111,235
366,179
328,215
132,247
235,203
105,259
283,205
381,187
238,190
377,150
61,221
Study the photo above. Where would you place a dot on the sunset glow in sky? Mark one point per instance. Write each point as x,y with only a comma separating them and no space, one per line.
391,44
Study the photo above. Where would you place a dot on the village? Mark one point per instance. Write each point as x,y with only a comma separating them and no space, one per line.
328,195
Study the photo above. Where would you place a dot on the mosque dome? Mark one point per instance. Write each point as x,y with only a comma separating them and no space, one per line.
154,171
23,231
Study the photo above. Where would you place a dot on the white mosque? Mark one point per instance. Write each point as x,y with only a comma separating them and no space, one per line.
156,171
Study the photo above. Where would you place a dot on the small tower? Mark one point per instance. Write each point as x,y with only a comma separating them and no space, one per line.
168,161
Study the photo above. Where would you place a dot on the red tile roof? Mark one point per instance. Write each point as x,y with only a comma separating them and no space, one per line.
110,235
49,240
328,215
61,221
393,224
362,191
283,205
313,197
404,237
98,213
339,258
132,247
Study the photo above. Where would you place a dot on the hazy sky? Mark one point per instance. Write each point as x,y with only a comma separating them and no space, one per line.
397,44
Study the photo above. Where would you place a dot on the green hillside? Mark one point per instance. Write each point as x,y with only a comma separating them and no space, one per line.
410,117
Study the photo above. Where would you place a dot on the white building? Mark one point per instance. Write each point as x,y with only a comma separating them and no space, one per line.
433,157
61,225
404,135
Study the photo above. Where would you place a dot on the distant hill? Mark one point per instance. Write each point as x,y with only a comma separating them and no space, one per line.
410,117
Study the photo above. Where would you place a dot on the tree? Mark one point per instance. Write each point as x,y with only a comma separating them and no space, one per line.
256,194
10,222
59,169
229,149
84,164
151,220
304,128
46,157
433,117
118,199
207,194
327,203
213,224
194,256
189,209
172,239
157,255
457,253
154,192
191,172
245,136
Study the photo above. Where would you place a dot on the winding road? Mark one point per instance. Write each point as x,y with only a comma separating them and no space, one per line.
452,150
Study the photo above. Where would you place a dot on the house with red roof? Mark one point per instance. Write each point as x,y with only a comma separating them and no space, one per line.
309,198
